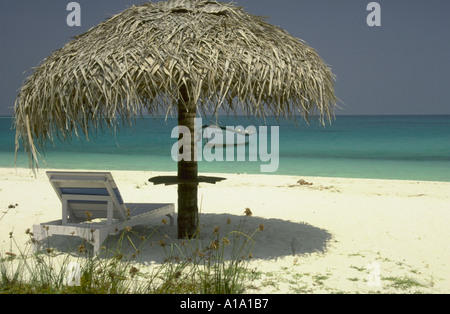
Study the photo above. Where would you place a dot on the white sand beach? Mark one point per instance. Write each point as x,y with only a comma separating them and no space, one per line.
319,238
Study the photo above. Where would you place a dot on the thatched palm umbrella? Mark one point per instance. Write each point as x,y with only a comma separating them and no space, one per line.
180,56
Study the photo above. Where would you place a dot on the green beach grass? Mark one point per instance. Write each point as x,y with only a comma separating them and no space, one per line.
191,267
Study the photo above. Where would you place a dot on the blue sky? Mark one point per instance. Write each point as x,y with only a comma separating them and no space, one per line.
401,67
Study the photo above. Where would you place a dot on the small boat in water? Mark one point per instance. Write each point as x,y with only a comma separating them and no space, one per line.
225,136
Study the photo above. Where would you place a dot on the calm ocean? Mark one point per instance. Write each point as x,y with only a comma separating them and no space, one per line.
381,147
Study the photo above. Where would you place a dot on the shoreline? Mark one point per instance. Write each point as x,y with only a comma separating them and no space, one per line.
212,173
318,238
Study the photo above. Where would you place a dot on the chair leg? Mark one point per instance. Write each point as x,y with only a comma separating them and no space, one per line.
96,240
171,220
38,236
98,237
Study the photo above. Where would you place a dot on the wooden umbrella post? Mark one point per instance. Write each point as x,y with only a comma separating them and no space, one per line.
187,171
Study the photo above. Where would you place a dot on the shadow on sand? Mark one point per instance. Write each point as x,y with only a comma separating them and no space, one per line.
279,238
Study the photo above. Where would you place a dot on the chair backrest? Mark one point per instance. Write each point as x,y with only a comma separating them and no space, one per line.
88,192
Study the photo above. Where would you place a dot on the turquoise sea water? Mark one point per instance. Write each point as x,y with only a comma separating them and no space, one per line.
381,147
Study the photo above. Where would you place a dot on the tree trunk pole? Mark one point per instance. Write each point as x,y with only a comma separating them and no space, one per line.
187,169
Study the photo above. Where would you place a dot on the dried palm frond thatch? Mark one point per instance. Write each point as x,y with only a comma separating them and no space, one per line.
149,57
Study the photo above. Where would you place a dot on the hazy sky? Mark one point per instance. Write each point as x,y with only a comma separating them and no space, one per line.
400,67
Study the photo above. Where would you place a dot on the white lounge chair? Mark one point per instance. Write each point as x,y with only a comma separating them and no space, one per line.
92,208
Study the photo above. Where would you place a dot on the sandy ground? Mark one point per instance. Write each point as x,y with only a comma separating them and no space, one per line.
337,235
